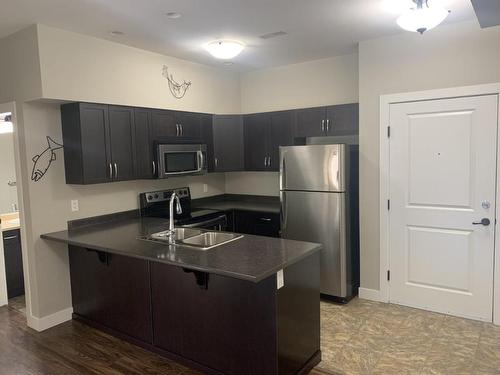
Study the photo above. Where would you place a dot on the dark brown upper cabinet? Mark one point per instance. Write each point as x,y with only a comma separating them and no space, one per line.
264,133
228,146
175,124
145,164
98,143
334,120
122,142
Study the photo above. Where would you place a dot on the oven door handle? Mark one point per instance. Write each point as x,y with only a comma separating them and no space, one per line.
206,222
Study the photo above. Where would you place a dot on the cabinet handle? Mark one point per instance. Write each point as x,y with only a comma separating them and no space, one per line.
322,125
116,170
182,129
216,162
154,168
110,171
265,161
268,161
265,219
327,124
10,238
176,130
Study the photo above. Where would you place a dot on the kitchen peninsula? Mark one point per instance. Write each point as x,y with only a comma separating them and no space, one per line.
249,306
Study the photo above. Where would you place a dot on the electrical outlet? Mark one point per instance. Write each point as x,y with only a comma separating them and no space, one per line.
205,188
74,205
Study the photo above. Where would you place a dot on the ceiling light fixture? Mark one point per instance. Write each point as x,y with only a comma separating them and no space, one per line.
173,15
224,49
422,17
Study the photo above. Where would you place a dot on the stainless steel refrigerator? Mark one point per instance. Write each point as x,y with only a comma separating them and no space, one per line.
319,195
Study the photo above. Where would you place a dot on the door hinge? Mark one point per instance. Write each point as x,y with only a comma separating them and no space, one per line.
388,275
388,204
388,132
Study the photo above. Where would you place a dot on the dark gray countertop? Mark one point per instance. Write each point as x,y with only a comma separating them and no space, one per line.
228,202
251,258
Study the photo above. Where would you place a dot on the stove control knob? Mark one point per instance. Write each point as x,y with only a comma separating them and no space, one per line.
156,196
150,197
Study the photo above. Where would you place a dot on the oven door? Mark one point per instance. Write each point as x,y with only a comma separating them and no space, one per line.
181,159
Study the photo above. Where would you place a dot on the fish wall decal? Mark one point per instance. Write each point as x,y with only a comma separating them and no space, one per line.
42,162
177,89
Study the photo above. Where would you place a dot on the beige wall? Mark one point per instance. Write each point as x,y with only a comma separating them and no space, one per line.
20,66
254,183
454,55
309,84
81,68
8,194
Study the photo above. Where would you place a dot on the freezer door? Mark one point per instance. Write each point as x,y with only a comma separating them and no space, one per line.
313,168
319,217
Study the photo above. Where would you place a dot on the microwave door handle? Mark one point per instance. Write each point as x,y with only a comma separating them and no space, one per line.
200,161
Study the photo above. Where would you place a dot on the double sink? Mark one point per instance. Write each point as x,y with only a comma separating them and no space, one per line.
195,238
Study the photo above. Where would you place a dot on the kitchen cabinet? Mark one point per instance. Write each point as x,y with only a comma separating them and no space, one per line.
98,143
122,142
163,124
145,164
189,124
13,263
257,223
264,133
337,120
228,145
112,291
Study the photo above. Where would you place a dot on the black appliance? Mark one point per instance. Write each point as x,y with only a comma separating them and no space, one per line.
156,204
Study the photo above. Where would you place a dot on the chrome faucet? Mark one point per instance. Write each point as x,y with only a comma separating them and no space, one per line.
178,209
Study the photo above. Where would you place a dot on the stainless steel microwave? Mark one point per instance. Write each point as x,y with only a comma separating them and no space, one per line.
181,159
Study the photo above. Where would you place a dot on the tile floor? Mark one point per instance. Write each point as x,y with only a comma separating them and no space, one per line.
365,337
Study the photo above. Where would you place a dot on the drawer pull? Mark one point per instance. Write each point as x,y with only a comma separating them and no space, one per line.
10,238
265,219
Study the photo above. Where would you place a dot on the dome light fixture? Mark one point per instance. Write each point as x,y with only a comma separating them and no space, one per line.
422,17
224,49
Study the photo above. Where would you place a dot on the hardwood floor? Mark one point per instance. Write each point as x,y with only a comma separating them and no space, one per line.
74,348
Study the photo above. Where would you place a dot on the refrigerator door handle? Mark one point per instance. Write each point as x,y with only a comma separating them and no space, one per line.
283,211
282,170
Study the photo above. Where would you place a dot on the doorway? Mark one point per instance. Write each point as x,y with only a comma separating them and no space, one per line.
440,182
12,254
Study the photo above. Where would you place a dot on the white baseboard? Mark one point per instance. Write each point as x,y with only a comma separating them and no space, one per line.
46,322
369,294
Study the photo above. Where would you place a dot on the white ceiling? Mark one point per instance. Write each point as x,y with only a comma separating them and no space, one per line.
316,28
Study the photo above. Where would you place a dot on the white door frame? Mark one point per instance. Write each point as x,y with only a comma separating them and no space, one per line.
385,102
11,107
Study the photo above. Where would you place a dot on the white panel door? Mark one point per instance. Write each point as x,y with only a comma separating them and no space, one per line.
442,181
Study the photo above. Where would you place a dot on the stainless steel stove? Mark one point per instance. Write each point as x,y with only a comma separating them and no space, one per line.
155,204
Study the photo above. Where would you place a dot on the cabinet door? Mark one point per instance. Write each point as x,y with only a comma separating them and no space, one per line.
95,150
256,134
207,136
343,119
228,143
163,124
13,263
189,124
311,122
281,135
144,159
121,135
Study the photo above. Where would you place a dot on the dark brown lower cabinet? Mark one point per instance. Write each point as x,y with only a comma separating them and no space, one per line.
217,324
257,223
13,263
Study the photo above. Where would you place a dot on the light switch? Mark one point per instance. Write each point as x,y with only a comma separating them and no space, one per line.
280,279
205,188
74,205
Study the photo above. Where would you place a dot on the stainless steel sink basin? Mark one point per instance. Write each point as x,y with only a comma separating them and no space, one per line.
180,234
208,240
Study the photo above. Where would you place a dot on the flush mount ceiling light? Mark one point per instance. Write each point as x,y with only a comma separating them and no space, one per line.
224,49
422,16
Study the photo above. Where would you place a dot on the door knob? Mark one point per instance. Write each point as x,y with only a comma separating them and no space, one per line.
484,221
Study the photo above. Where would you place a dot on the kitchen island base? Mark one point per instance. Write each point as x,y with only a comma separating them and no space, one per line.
210,322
